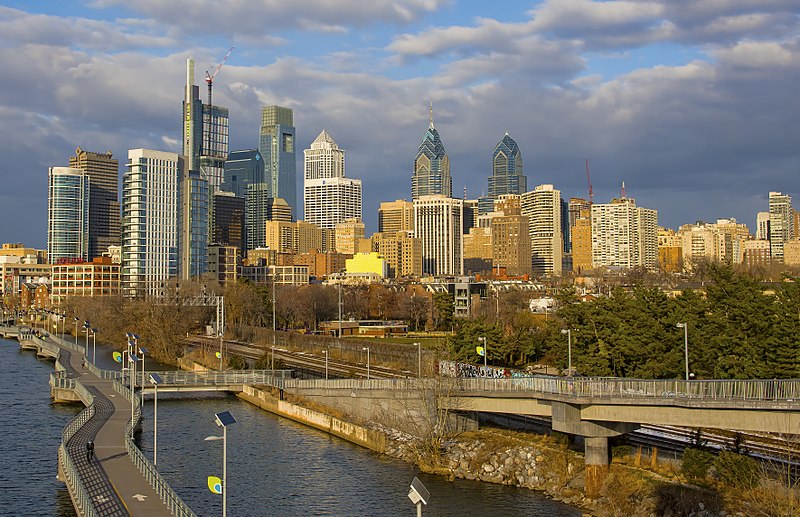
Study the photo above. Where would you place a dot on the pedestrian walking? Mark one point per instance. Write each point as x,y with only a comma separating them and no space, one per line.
89,450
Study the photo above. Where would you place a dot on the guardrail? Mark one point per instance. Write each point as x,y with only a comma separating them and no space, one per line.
78,492
213,378
786,390
148,470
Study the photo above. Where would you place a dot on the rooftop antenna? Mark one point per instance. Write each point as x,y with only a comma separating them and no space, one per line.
465,192
589,181
431,112
622,191
210,77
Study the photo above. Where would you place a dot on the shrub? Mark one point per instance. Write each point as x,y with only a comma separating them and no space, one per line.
736,470
696,463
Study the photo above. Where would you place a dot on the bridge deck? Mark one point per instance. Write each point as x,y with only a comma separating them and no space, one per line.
113,482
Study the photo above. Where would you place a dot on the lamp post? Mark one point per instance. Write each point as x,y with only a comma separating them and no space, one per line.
63,317
367,349
685,328
485,355
220,352
94,346
86,327
326,363
143,351
568,332
132,359
419,360
340,302
223,420
156,380
77,319
274,311
272,364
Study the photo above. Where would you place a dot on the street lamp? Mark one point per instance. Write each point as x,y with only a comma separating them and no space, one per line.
86,327
272,364
143,351
274,311
94,345
132,359
156,380
340,302
568,332
419,360
685,328
485,355
367,349
223,420
77,319
326,363
63,318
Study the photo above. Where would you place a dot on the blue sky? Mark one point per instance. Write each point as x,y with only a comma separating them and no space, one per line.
691,102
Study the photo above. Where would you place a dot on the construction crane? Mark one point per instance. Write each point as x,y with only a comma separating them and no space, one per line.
210,77
588,179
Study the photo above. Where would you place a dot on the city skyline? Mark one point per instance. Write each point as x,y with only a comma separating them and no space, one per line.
694,109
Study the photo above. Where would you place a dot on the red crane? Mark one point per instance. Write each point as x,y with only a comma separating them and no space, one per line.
588,179
210,77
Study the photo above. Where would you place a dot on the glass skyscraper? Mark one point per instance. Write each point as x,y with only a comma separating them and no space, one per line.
431,167
67,215
507,174
277,148
243,168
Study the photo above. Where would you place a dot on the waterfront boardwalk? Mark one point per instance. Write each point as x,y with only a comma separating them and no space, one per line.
112,481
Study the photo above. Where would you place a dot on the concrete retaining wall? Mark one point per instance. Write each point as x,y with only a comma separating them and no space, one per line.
357,434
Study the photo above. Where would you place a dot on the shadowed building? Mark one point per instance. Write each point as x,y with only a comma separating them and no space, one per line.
104,221
228,228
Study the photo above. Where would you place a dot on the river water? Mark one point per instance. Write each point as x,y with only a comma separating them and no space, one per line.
275,466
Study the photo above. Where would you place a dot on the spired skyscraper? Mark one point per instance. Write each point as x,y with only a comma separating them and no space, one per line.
431,167
276,145
507,174
328,197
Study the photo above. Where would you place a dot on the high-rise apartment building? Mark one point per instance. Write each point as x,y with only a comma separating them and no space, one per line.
431,167
507,173
581,236
402,251
104,222
228,227
277,147
624,236
68,202
348,234
438,225
150,210
244,168
328,196
781,223
298,237
542,206
511,241
762,226
670,251
396,216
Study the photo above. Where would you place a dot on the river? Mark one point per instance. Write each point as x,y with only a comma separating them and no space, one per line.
275,466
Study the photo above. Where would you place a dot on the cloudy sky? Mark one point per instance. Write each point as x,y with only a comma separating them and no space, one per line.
692,103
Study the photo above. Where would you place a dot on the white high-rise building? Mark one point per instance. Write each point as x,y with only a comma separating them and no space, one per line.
781,223
150,202
67,215
438,224
762,226
624,236
328,197
542,206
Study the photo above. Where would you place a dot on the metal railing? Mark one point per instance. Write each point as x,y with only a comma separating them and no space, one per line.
173,502
213,378
735,391
79,494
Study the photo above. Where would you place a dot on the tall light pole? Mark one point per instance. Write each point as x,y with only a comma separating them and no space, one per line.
94,345
274,311
485,355
568,332
272,364
223,420
340,302
63,318
419,360
326,363
143,351
685,328
77,319
156,380
367,349
132,359
86,327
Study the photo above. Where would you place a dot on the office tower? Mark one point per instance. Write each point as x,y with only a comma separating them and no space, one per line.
507,173
470,215
624,235
396,216
243,168
227,228
297,237
576,206
542,206
431,167
104,223
781,223
150,209
214,148
511,242
276,145
260,208
348,234
477,250
193,191
68,202
762,226
402,251
438,225
328,197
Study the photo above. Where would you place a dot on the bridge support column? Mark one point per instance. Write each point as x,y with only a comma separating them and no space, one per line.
596,458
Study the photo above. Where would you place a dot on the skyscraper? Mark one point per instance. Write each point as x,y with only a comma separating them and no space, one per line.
624,235
542,205
507,174
438,225
227,228
214,147
243,168
511,241
104,222
431,167
396,216
150,201
328,197
781,223
276,145
68,197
